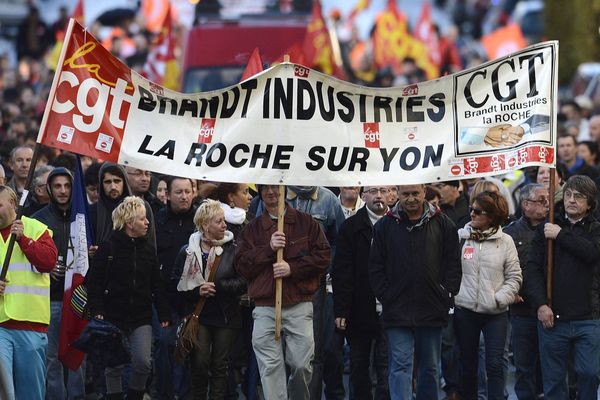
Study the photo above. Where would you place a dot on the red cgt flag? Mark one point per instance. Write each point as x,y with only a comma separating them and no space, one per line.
255,65
317,48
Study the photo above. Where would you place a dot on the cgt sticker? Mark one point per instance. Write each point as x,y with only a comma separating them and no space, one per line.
371,133
207,130
65,134
468,252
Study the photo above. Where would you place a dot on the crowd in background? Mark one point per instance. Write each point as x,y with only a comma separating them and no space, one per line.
168,217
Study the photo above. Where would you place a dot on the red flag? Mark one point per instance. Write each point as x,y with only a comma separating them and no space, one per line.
255,65
71,325
161,66
52,57
425,32
503,41
391,40
317,48
78,12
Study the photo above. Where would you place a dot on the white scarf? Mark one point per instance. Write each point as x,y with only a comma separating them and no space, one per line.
233,215
192,275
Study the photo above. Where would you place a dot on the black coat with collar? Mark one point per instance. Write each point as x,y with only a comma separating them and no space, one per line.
353,297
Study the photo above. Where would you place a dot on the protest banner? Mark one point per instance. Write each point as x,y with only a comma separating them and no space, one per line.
293,125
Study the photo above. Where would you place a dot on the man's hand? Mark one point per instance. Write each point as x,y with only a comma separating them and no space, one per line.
340,323
277,241
207,289
99,316
164,324
504,135
92,251
2,287
281,269
17,229
551,230
546,316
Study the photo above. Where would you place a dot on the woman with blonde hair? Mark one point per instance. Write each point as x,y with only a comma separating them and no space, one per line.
123,283
211,249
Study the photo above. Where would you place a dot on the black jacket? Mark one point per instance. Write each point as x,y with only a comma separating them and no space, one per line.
124,289
229,286
415,269
59,221
522,233
353,297
172,233
575,279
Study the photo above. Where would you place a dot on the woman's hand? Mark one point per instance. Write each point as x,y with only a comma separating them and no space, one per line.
207,289
99,316
164,324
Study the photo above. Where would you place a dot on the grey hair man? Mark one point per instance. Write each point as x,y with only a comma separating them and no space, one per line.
570,316
534,205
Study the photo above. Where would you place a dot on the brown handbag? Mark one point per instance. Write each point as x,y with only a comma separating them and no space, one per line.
187,331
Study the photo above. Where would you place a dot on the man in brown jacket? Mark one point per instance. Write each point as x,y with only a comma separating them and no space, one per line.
306,256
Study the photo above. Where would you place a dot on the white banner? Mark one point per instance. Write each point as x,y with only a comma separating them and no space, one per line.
293,125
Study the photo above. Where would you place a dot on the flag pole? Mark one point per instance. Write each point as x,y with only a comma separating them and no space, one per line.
12,238
550,247
279,281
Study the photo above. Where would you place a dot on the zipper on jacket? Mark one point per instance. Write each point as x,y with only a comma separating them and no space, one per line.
134,275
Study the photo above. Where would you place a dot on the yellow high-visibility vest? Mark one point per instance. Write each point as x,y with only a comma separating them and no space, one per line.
27,293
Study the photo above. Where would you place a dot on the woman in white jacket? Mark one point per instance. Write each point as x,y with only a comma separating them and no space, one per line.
491,278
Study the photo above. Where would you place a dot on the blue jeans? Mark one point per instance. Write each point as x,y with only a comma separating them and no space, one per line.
555,344
55,387
468,325
526,356
140,341
424,344
23,363
170,378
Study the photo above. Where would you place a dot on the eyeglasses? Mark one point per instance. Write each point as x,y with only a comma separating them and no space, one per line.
477,211
541,202
374,191
576,195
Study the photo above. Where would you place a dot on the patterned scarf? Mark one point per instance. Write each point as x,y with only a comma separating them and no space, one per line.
480,236
194,274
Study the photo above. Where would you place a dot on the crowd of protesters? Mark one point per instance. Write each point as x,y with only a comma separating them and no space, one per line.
430,287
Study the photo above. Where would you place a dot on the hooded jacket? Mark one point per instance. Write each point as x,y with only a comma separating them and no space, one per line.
414,267
101,212
59,221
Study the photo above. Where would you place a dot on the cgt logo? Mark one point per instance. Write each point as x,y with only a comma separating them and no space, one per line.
92,100
371,133
300,72
410,90
207,129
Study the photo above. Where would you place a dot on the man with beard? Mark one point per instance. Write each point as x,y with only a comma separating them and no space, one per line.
113,189
355,308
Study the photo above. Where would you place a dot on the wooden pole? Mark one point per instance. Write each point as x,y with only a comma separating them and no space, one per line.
279,281
550,242
12,238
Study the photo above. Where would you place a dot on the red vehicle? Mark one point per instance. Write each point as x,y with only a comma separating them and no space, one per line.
217,52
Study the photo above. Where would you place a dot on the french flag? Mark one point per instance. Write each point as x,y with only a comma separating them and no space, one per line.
71,325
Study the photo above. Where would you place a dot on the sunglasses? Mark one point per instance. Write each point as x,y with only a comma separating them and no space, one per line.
477,211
